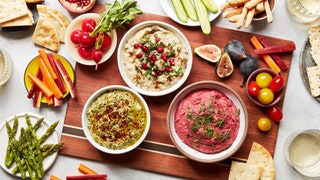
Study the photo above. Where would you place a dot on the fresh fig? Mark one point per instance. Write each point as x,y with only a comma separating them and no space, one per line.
77,6
236,51
224,67
209,52
247,66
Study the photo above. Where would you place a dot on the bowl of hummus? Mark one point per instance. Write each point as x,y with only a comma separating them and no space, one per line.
116,119
154,58
207,121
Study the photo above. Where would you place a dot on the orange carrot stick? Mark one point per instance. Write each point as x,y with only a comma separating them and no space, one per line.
44,57
49,80
86,170
46,91
50,100
52,177
269,61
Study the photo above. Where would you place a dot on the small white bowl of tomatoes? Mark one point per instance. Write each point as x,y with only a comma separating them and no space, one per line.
265,87
86,47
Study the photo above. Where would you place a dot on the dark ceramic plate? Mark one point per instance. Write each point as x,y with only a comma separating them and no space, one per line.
306,61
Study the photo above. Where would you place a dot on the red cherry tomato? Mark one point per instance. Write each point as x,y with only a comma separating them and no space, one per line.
253,88
276,84
275,113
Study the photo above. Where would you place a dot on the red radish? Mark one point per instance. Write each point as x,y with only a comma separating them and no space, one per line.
96,55
106,42
86,40
74,37
88,25
85,53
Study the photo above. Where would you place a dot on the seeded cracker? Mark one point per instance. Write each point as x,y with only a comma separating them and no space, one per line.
313,74
314,39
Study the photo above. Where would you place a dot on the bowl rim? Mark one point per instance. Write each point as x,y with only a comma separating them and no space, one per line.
84,119
70,47
199,156
175,30
278,96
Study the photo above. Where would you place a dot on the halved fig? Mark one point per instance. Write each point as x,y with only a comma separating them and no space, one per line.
209,52
77,6
224,67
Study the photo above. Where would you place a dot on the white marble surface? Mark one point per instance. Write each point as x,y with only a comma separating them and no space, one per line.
301,111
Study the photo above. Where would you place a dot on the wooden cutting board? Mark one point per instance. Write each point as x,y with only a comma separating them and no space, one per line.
157,153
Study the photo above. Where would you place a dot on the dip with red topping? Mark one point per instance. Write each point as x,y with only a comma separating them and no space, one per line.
207,121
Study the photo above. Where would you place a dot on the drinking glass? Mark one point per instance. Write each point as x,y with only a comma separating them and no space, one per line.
303,11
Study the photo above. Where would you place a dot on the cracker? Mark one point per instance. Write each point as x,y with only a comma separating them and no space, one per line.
46,35
244,171
314,39
261,157
12,9
313,74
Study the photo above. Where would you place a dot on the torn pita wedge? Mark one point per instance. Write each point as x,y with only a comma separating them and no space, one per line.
46,35
261,157
12,9
26,20
59,21
244,171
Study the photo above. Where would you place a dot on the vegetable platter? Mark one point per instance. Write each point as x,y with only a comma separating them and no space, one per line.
157,153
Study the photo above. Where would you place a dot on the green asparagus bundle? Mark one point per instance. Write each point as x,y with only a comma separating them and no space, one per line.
29,150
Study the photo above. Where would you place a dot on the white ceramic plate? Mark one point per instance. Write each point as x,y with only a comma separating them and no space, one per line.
72,49
197,155
168,8
48,161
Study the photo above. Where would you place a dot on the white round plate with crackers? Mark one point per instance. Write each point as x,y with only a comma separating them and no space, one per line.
169,10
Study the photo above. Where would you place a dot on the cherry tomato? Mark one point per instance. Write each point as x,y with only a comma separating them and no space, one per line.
88,25
275,113
263,79
253,88
264,124
276,84
265,96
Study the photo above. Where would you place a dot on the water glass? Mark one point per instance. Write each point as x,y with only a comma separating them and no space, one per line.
304,11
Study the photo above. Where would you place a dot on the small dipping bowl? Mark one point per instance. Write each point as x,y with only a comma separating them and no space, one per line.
6,66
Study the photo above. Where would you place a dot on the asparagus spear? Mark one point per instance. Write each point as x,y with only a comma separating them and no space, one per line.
11,134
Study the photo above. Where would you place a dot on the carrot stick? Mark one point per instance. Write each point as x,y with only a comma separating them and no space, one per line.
37,98
59,80
46,91
49,80
50,100
87,176
269,61
52,177
86,170
44,57
66,78
34,88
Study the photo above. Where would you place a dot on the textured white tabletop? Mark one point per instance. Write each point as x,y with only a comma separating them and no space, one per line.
301,111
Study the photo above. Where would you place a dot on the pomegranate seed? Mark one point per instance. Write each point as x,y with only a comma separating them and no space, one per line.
164,57
160,49
139,55
167,69
144,66
137,45
171,61
145,49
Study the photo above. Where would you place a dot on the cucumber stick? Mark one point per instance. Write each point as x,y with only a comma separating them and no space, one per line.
180,11
189,8
210,5
202,16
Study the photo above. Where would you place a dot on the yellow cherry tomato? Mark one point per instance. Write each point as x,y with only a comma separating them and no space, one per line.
265,96
264,124
263,79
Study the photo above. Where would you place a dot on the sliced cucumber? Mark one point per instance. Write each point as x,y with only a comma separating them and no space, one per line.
179,9
210,5
203,16
189,8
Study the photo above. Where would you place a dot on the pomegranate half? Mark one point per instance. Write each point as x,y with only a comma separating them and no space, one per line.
77,6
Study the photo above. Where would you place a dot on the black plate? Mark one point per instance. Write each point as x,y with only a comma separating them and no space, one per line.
306,60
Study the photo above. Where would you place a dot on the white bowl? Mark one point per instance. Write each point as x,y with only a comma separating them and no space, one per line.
88,134
72,48
121,57
198,155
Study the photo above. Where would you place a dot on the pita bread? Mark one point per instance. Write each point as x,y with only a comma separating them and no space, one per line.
244,171
12,9
58,20
46,35
26,20
313,74
261,157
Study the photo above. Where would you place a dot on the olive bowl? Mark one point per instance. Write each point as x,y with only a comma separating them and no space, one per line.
277,96
109,142
192,152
